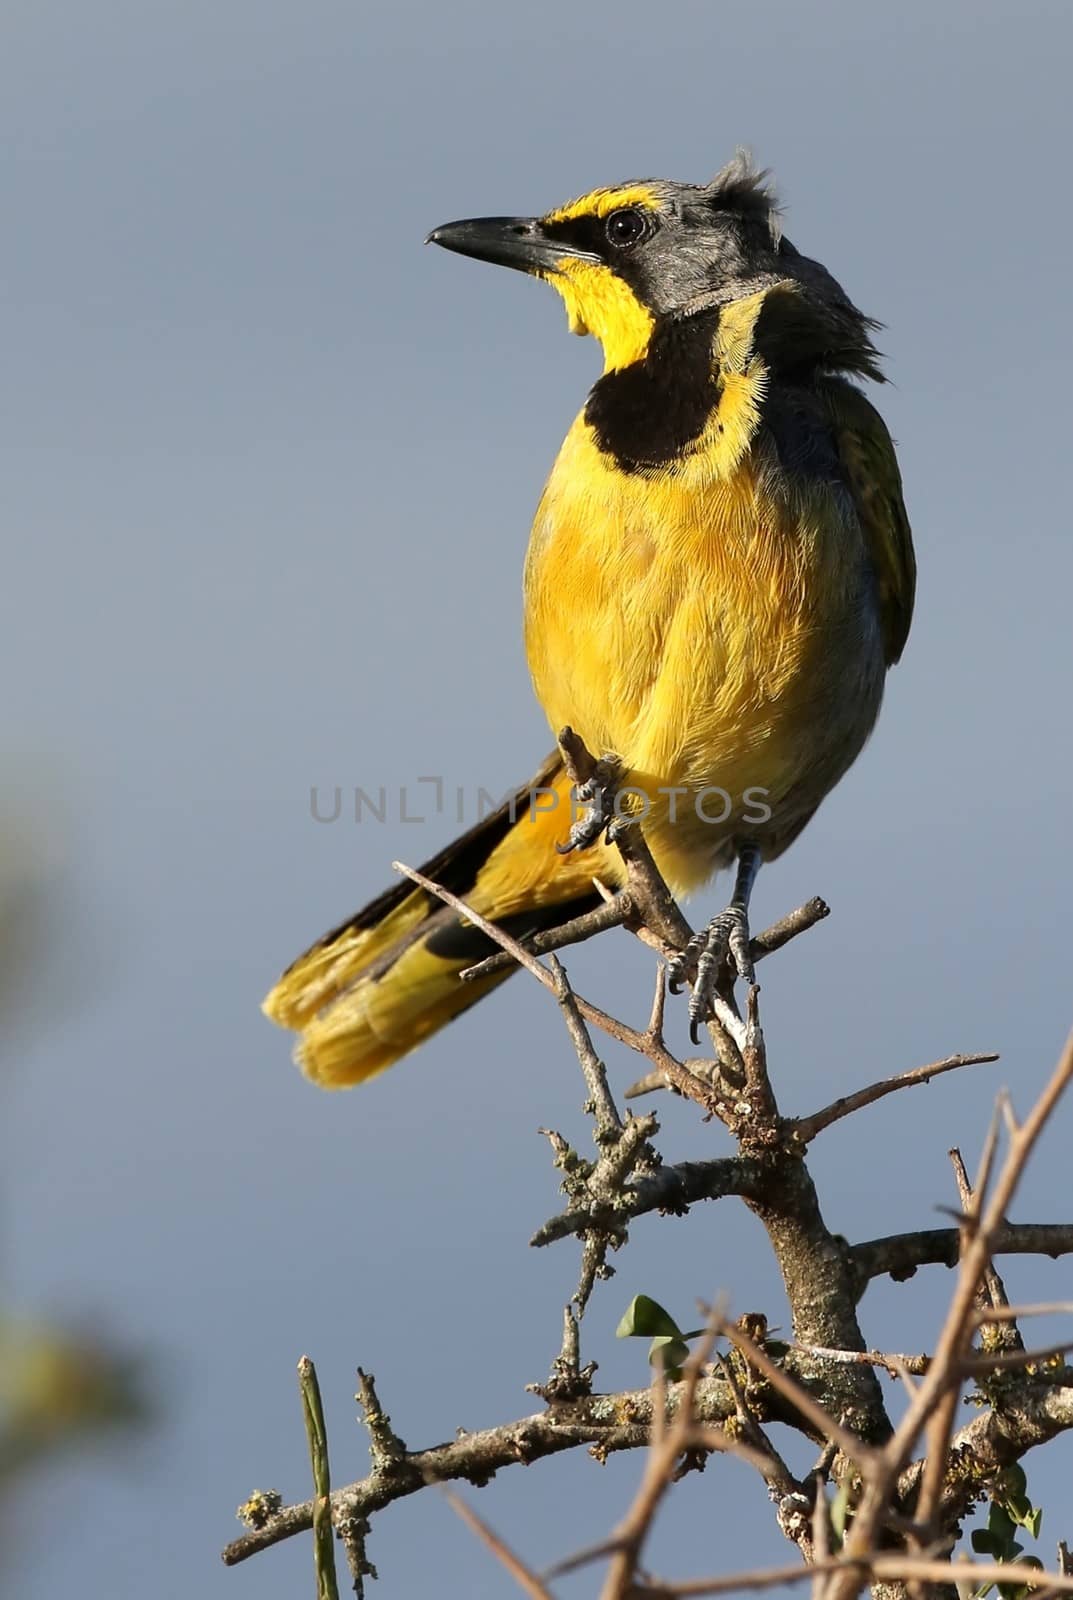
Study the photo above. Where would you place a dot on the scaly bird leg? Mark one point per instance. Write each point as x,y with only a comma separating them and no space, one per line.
726,938
598,793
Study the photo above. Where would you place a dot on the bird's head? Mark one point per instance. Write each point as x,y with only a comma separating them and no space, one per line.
629,258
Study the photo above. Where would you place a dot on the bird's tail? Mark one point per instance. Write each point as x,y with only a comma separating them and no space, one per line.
375,987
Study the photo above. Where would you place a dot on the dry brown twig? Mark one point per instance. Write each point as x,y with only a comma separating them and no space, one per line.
932,1408
523,1577
633,1038
806,1128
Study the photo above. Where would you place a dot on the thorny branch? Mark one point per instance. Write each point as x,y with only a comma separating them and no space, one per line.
900,1516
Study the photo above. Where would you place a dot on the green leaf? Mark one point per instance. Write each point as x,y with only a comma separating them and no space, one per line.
1000,1523
1035,1522
984,1542
839,1510
668,1353
1015,1481
646,1318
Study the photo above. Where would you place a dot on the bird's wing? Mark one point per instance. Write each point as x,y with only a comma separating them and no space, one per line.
867,454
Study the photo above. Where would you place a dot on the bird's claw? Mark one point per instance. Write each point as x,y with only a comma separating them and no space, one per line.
598,793
725,939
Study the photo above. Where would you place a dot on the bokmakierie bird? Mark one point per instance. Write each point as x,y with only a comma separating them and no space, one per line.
719,574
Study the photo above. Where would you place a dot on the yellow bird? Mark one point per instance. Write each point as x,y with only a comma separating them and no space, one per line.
719,574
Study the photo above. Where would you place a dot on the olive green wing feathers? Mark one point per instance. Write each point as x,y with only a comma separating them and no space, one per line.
868,459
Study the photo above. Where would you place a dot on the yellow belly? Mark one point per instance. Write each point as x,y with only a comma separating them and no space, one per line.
714,634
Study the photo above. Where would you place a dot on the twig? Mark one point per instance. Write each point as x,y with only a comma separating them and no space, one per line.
659,919
992,1294
655,906
582,1558
1015,1360
666,1189
787,1494
323,1538
612,913
667,1445
605,1111
932,1397
764,1458
940,1424
763,1108
569,1380
762,945
386,1450
498,935
747,1582
523,1577
353,1531
1040,1308
767,1460
806,1128
595,1188
709,1439
788,927
896,1365
692,1087
886,1568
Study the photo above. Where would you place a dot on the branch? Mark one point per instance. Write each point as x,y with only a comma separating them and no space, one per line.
667,1189
806,1128
763,945
823,1383
608,1121
692,1087
1031,1415
884,1568
608,1422
900,1254
386,1449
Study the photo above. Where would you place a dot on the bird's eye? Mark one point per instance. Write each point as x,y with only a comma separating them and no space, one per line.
626,227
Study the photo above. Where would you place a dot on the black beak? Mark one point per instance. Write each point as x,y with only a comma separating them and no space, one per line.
518,242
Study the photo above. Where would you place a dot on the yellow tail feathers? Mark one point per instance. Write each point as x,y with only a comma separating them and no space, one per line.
373,989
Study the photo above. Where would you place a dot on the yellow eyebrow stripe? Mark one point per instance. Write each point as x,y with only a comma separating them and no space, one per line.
601,202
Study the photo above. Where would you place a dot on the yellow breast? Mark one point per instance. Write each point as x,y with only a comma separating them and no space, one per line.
711,625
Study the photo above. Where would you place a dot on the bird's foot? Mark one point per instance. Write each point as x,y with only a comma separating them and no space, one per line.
598,793
726,939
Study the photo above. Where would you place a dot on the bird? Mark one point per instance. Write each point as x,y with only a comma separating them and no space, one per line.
719,574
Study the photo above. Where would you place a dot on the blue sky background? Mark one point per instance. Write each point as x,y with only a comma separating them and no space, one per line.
268,469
